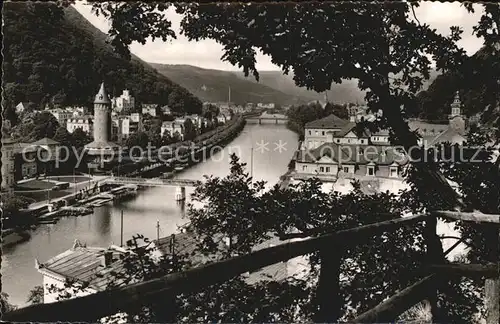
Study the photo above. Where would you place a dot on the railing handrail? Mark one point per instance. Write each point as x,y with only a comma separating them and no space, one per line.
109,302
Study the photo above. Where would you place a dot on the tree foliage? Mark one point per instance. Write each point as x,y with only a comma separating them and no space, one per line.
388,53
35,125
299,116
51,57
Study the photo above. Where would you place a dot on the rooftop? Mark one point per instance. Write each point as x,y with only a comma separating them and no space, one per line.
348,154
85,265
46,141
102,96
331,121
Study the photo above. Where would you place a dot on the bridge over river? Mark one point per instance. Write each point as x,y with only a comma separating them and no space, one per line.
180,184
153,206
266,118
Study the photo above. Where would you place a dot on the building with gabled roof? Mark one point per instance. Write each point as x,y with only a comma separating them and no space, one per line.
328,160
91,267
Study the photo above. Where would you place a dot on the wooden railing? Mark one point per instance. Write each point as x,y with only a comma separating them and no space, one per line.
438,273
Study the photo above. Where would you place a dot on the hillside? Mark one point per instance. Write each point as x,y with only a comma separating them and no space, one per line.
340,93
213,85
56,55
476,83
346,92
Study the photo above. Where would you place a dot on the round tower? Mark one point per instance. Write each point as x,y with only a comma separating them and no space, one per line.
102,116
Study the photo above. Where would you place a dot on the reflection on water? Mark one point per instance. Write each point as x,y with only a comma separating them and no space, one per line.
102,224
141,214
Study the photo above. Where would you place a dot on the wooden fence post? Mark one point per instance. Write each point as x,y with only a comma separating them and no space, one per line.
492,285
435,256
328,293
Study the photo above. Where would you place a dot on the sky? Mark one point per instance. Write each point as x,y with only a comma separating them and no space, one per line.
207,53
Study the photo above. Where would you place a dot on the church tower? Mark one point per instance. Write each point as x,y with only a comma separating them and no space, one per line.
102,116
457,121
455,106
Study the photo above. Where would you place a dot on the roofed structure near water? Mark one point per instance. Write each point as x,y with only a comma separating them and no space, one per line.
328,122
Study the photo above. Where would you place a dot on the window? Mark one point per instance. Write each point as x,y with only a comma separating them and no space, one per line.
362,141
321,169
360,150
338,140
328,169
346,169
371,171
394,172
304,167
348,141
309,132
323,133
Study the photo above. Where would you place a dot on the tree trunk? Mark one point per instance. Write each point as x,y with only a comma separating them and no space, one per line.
492,285
435,256
328,294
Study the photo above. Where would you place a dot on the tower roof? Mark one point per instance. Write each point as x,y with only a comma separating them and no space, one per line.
102,96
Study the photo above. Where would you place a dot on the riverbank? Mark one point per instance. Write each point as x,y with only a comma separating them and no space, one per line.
88,197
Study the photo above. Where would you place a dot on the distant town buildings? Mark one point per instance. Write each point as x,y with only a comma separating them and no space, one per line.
332,146
172,127
124,102
8,163
26,160
261,105
149,109
63,115
128,125
86,123
22,106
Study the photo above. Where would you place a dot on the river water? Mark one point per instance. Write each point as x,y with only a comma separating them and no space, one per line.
273,147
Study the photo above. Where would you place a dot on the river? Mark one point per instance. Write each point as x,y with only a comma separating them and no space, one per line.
273,147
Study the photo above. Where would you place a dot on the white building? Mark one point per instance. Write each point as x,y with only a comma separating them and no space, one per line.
22,106
316,132
86,123
123,102
62,115
8,163
171,127
129,125
222,119
261,105
165,110
149,109
78,111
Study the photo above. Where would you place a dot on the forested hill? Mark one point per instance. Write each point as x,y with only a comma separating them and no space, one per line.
56,55
213,85
476,83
